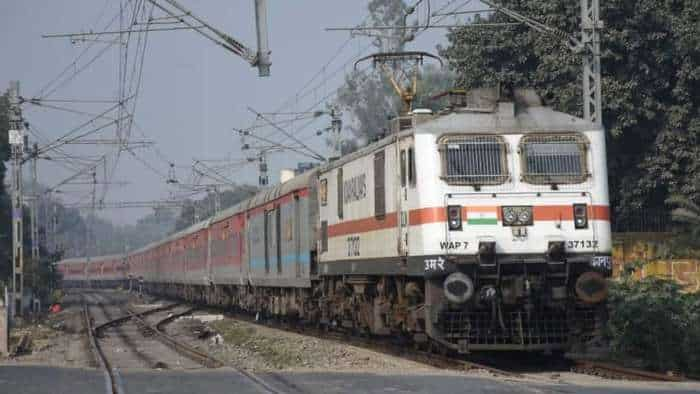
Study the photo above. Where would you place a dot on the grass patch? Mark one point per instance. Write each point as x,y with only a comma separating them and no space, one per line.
233,333
270,349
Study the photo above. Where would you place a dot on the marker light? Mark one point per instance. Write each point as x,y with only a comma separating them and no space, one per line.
580,216
454,217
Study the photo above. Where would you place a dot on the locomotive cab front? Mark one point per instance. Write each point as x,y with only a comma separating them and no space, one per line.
517,256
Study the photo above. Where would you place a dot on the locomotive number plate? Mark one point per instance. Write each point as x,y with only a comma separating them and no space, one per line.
583,243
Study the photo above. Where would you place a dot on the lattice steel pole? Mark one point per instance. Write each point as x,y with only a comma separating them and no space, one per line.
16,139
34,218
590,38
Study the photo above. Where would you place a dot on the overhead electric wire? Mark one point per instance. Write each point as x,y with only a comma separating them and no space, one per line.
301,94
286,104
76,101
135,78
39,103
83,52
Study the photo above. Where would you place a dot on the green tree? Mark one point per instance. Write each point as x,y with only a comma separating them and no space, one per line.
653,322
651,76
686,240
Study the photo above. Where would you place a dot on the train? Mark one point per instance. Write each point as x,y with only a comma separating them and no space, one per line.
484,226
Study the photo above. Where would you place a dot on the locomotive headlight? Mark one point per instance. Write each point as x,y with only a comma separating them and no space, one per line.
509,216
525,216
580,216
517,216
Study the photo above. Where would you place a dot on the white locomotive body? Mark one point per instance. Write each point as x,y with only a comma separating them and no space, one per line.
489,217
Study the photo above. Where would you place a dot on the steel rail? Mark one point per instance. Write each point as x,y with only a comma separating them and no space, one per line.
185,350
112,383
385,347
122,319
195,355
590,367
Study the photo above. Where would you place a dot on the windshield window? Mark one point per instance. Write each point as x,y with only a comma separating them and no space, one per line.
554,158
474,159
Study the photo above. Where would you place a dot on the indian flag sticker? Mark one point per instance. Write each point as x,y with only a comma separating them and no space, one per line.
482,215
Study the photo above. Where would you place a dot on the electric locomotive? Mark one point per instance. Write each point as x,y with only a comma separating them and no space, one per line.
485,226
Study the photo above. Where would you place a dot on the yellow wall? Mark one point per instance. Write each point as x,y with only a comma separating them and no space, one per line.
630,247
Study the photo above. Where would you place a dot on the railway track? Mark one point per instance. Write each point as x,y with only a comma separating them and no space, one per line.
156,331
111,375
151,324
445,360
383,345
612,371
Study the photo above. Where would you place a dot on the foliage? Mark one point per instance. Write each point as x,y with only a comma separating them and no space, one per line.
652,321
106,237
368,96
686,213
651,76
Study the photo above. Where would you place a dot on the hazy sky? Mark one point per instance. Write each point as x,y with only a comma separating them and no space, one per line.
192,93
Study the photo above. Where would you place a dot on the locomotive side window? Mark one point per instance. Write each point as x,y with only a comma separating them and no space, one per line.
473,159
554,158
411,168
324,236
403,167
379,188
323,192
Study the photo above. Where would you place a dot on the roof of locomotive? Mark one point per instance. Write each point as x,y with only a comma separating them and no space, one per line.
524,113
505,119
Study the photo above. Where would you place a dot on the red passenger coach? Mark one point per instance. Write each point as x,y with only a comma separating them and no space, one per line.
99,271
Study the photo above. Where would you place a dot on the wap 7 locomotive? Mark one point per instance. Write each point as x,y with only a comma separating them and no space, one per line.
483,227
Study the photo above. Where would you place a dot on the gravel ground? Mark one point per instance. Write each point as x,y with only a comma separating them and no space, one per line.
59,340
56,339
260,348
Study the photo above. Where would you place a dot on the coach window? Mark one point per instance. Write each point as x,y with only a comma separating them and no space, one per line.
267,239
340,192
278,237
379,187
411,168
473,159
554,158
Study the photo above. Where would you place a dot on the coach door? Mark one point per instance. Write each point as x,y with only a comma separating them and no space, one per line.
406,180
